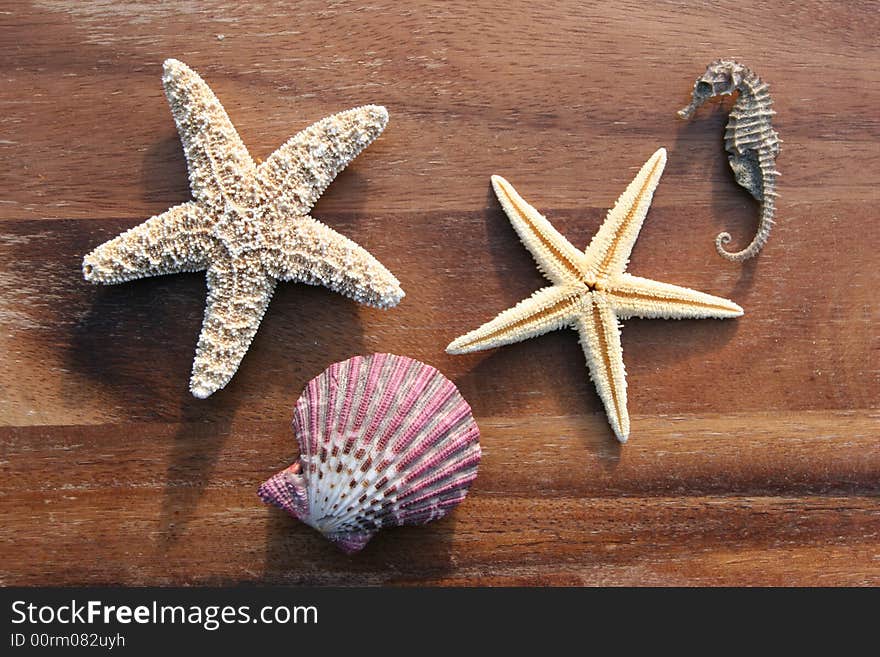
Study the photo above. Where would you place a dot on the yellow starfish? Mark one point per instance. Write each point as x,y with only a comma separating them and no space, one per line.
248,225
591,290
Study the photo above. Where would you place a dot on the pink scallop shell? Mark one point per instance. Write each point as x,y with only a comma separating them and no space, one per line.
384,441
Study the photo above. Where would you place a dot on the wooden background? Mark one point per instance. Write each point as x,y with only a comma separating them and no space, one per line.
754,456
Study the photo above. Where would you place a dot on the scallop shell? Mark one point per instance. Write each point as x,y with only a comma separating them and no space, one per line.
384,441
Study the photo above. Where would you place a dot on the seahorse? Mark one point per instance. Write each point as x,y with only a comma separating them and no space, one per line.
750,140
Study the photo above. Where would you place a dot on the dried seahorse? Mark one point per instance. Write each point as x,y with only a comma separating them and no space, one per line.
752,142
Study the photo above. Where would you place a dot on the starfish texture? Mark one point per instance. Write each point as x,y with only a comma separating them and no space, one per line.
591,290
248,225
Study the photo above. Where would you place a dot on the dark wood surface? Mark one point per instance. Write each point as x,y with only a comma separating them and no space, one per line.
754,456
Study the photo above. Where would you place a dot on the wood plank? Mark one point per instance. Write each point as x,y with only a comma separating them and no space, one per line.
559,98
78,351
696,500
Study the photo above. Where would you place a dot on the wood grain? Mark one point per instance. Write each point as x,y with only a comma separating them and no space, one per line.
754,456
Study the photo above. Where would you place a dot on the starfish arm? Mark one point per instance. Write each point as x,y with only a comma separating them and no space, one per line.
308,251
600,340
220,168
632,296
557,258
546,310
610,248
298,172
174,241
237,300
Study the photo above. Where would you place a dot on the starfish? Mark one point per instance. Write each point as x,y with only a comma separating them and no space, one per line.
248,225
591,290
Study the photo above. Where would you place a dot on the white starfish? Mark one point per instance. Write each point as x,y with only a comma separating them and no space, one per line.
591,290
248,225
